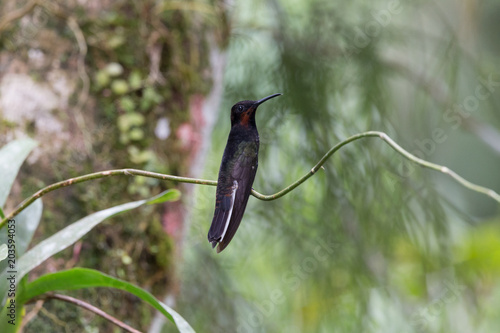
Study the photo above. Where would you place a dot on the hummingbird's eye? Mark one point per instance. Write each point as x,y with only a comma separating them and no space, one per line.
241,108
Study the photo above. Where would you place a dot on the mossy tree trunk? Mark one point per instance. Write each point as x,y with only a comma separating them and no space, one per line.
112,84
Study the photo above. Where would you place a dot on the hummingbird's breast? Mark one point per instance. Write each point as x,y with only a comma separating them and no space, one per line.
246,152
241,153
246,140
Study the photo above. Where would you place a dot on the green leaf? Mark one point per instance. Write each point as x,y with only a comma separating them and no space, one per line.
115,41
26,224
119,87
138,156
136,134
2,215
7,314
24,228
135,80
102,78
78,278
169,195
61,240
8,317
12,156
128,120
127,104
3,251
68,236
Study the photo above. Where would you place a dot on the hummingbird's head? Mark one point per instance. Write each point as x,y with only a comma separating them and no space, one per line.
243,112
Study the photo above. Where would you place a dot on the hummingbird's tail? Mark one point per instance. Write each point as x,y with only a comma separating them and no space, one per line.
222,216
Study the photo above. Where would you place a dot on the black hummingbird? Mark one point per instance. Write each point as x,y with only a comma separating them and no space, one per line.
236,173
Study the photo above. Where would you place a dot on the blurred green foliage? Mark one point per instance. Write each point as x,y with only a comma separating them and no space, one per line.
371,243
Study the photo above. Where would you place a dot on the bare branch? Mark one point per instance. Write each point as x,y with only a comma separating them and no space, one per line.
93,309
17,14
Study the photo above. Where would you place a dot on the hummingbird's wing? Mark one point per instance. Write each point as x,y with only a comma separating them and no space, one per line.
232,200
224,204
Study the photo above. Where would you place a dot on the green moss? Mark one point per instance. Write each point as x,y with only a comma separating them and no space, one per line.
161,245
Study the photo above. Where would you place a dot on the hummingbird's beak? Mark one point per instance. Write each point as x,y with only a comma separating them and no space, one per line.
260,101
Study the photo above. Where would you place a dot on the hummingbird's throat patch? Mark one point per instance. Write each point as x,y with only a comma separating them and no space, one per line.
245,118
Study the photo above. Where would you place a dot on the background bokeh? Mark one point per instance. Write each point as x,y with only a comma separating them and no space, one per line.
371,243
411,251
